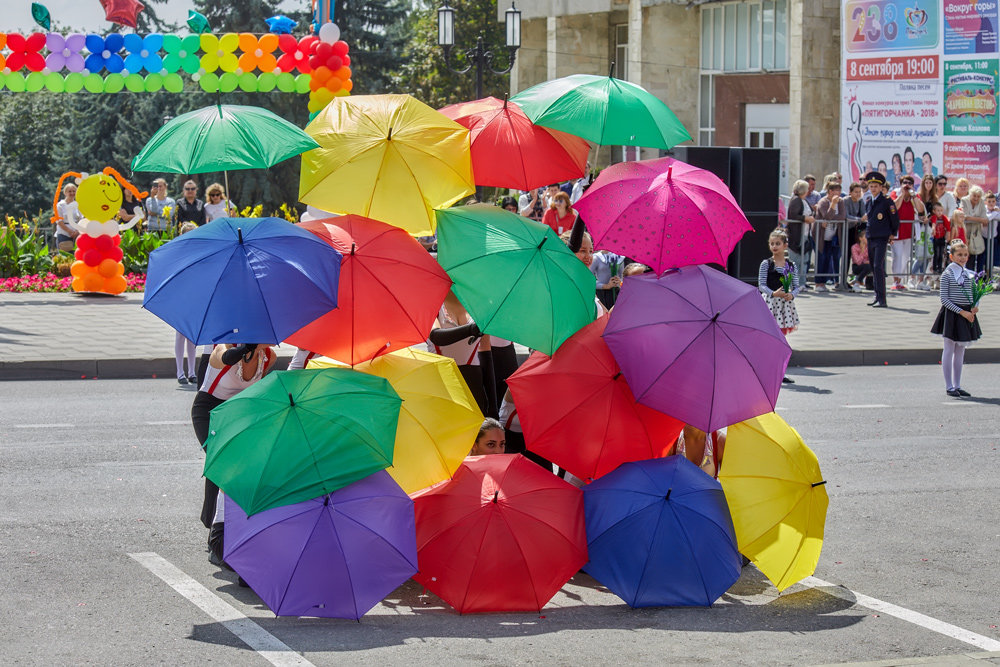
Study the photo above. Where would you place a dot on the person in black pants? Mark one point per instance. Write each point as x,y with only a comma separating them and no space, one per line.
883,223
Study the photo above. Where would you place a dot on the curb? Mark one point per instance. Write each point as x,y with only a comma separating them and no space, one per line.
137,368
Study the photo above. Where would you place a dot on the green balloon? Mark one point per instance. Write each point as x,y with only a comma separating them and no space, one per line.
55,82
135,83
15,82
229,82
209,82
93,83
248,83
286,82
302,83
114,83
3,80
173,83
74,82
34,82
266,82
153,83
313,115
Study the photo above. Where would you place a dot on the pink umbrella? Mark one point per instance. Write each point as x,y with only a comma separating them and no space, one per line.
664,213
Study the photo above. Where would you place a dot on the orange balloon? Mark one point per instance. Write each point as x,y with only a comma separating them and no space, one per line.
321,74
119,269
78,269
344,73
115,285
348,85
107,268
93,282
314,85
78,285
333,84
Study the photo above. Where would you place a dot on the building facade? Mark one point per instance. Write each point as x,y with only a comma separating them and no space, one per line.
757,73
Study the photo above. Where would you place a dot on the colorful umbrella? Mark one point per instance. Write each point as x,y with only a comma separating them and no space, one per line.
296,435
503,535
777,497
664,213
698,345
335,556
659,534
221,138
509,151
390,291
577,410
388,157
514,276
604,110
439,418
242,280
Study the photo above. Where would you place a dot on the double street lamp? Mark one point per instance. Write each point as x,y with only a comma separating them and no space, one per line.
479,57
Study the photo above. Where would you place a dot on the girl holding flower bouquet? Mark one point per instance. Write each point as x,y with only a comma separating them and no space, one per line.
779,283
961,290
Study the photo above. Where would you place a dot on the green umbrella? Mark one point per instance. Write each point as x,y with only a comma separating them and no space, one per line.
604,110
296,435
221,138
514,275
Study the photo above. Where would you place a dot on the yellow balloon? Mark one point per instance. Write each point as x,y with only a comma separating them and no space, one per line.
100,197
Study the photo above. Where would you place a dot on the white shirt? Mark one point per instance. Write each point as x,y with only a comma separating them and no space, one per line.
949,203
463,352
70,212
214,211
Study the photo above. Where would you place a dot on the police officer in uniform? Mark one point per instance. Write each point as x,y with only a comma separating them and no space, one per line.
883,223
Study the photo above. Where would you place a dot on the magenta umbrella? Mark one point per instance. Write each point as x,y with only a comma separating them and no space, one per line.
699,346
664,213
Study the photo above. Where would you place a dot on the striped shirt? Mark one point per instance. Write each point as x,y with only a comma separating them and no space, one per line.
955,297
762,277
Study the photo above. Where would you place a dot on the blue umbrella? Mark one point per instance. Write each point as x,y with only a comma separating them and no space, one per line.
242,280
659,534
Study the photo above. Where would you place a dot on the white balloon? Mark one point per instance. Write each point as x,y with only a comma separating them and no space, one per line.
329,33
95,228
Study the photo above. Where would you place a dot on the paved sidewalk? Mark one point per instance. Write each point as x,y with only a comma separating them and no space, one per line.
60,336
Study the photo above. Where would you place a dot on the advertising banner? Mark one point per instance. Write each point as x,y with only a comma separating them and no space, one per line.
970,26
977,161
970,97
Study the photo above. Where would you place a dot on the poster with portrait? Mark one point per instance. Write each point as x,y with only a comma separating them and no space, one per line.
970,26
970,97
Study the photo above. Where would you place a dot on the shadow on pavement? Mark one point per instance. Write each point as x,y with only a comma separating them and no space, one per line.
984,401
421,615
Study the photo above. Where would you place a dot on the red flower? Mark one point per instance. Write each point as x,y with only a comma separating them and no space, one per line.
296,53
24,52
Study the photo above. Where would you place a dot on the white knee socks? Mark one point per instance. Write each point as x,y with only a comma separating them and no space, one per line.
952,359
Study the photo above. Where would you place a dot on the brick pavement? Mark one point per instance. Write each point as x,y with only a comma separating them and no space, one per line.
69,335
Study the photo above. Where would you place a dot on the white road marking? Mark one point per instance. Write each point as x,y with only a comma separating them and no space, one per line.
866,405
260,640
169,422
43,426
915,617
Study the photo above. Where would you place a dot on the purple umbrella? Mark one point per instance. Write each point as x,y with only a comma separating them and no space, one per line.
335,556
699,346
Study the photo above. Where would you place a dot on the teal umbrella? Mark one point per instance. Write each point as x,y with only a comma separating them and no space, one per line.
222,137
516,278
296,435
604,110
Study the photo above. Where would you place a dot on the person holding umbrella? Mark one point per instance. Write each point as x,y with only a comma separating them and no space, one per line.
231,369
456,335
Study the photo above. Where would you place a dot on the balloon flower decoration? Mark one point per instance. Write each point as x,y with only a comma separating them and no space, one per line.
98,266
331,71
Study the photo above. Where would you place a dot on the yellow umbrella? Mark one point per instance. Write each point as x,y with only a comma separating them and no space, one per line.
387,157
776,497
439,418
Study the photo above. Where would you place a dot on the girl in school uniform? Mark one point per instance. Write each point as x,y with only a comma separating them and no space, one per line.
769,284
956,322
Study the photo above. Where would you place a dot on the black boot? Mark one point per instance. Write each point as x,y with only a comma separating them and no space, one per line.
215,542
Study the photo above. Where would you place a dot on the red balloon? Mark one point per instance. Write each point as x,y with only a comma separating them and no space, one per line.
104,243
92,257
347,61
315,61
340,48
84,242
116,254
117,240
78,254
324,50
122,12
334,63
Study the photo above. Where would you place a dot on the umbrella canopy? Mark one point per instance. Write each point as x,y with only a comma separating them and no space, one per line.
604,110
439,418
222,137
777,496
514,276
388,157
659,534
577,410
509,151
664,213
503,535
335,556
296,435
242,280
390,291
698,345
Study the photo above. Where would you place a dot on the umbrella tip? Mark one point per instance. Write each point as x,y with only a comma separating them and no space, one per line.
291,400
617,375
669,491
506,96
354,246
239,231
716,317
819,483
670,170
389,138
542,242
326,500
496,496
611,72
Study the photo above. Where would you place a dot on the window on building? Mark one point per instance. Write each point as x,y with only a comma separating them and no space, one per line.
706,111
621,51
744,36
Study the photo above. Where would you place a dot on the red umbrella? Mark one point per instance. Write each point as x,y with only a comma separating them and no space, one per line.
390,291
502,535
509,151
577,410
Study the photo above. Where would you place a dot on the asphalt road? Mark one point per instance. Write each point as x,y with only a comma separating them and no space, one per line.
94,470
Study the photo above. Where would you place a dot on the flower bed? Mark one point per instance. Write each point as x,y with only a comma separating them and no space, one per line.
49,282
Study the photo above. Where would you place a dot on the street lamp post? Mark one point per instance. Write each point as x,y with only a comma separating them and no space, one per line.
478,57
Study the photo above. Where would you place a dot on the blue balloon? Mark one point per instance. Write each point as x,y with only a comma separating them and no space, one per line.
280,24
